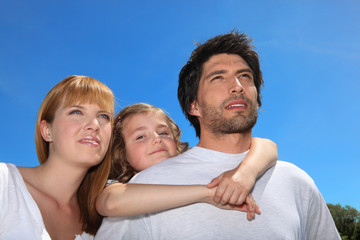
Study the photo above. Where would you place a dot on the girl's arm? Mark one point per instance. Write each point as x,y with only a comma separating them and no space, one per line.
234,186
123,200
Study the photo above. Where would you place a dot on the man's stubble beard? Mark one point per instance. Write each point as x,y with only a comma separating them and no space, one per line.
241,122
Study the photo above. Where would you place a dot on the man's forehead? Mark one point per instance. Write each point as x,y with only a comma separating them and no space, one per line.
218,61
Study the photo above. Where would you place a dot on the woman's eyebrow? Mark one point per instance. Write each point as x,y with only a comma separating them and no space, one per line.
76,106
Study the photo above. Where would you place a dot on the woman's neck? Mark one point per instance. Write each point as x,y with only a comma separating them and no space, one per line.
58,181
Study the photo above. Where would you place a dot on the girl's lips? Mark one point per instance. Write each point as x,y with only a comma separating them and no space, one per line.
158,150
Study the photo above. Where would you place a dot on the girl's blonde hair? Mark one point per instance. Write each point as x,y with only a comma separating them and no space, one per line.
78,90
121,170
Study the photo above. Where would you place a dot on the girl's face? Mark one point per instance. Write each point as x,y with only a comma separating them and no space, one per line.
79,134
148,140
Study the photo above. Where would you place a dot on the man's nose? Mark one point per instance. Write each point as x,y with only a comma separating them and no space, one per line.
236,86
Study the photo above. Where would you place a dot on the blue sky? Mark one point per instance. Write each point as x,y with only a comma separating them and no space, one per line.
309,53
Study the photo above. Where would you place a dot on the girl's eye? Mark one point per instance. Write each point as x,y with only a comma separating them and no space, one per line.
139,137
164,133
75,112
105,116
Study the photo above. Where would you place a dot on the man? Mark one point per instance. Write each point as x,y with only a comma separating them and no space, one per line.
219,92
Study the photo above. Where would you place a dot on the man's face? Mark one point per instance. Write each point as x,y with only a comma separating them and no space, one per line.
227,96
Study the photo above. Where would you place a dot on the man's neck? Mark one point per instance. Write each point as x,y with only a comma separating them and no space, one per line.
227,143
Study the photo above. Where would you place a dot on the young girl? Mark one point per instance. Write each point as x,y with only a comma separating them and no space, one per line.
56,200
144,135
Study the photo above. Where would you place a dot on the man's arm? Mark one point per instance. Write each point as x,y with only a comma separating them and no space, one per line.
319,222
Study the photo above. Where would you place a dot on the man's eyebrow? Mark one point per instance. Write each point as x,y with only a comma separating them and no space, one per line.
224,71
245,70
215,73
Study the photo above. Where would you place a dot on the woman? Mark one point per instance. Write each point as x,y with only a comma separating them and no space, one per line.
72,136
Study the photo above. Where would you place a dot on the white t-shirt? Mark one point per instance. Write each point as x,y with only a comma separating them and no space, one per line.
291,205
20,217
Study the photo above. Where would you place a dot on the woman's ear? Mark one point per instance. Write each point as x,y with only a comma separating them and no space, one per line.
45,130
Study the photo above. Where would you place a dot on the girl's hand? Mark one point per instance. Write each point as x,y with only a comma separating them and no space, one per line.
249,206
233,186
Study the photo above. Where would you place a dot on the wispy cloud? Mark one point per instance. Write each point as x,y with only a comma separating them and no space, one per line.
340,49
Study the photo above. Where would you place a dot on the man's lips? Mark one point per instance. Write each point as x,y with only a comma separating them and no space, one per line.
90,140
239,104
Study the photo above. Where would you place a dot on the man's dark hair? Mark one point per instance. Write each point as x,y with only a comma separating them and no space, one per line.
190,74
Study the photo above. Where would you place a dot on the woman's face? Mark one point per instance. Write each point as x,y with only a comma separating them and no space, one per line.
79,134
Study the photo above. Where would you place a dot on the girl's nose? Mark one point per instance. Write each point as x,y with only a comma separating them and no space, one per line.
157,138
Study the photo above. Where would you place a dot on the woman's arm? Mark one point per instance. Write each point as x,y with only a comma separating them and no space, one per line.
234,186
123,200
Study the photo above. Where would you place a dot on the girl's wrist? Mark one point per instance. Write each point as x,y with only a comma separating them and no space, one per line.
208,194
248,170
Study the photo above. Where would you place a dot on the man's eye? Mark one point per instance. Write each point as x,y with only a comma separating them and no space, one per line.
216,78
248,76
244,76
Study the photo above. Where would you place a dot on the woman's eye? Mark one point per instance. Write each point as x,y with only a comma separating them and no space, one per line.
75,112
164,133
105,116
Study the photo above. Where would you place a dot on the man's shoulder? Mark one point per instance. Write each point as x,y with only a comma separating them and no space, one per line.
287,165
290,172
290,167
173,169
159,170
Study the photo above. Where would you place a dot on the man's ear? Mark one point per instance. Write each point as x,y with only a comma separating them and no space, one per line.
45,131
194,109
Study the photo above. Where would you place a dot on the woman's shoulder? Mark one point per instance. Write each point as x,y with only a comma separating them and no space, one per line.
84,236
7,169
5,166
10,171
10,177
